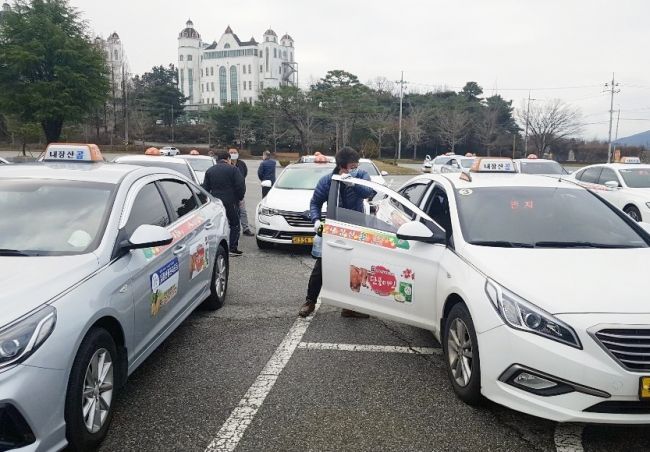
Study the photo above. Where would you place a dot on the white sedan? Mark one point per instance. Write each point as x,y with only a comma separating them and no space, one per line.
375,175
169,151
282,217
539,166
627,186
518,278
199,163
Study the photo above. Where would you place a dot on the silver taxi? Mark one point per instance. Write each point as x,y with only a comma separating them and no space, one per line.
99,263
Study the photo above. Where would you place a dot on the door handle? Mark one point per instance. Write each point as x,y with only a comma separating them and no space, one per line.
340,245
179,249
209,225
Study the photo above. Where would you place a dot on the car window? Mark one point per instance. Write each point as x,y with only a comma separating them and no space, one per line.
201,164
636,177
541,168
438,208
200,194
49,217
590,175
607,175
369,168
148,208
180,197
181,166
441,160
548,217
415,192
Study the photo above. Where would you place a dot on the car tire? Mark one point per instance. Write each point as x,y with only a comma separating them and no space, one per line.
633,212
464,368
87,390
219,281
261,244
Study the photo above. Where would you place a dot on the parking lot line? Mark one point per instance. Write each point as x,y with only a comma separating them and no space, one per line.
235,426
369,348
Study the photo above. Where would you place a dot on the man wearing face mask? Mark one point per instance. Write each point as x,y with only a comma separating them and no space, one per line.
243,169
351,197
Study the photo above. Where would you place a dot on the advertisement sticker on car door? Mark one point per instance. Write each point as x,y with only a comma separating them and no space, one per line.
164,285
382,281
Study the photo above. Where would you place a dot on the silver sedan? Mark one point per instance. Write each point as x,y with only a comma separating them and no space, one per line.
99,263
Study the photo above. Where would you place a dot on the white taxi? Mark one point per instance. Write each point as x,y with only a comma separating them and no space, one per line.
99,264
517,277
625,184
534,165
282,217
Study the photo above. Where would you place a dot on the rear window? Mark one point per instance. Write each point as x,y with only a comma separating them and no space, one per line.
542,168
369,168
180,167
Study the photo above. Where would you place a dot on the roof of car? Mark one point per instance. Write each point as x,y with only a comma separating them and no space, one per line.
480,180
623,165
311,165
148,158
85,172
535,160
190,156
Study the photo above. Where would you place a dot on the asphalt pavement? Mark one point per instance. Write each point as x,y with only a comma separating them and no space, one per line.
252,376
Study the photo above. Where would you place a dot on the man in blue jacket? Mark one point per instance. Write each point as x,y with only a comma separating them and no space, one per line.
351,197
266,171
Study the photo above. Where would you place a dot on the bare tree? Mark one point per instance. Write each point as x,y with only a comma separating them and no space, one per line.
379,124
488,129
413,128
550,122
453,125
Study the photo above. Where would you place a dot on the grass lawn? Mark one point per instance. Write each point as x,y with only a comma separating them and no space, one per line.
395,170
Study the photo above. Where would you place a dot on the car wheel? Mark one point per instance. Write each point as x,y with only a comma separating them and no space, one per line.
219,282
461,355
633,212
91,391
261,244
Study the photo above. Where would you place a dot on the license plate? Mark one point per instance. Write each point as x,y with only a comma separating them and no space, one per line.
644,388
302,240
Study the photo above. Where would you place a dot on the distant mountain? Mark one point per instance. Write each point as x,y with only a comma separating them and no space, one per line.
639,139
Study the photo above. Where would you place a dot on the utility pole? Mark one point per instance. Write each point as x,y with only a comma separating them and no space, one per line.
527,121
124,108
618,118
401,101
612,90
172,123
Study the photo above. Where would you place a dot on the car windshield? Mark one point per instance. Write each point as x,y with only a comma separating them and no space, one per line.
201,164
302,178
442,160
369,168
542,217
466,163
48,217
542,168
179,166
636,177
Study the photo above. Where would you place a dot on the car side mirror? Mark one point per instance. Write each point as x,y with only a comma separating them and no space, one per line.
384,173
414,230
147,236
611,184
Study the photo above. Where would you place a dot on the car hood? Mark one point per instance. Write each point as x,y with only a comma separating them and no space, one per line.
291,200
29,282
570,280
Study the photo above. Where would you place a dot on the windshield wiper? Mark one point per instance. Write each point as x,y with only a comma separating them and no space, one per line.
579,245
10,252
502,244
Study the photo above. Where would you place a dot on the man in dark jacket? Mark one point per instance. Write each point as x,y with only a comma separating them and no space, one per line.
351,197
266,171
224,181
243,215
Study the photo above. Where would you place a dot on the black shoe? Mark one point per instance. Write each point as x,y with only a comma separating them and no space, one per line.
306,309
249,233
236,252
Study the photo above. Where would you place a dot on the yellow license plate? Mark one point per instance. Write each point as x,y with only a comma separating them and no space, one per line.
644,388
302,240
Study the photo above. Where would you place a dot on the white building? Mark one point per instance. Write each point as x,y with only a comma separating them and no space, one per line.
232,70
116,61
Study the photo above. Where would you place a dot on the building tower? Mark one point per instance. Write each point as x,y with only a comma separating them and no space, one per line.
189,63
289,65
271,59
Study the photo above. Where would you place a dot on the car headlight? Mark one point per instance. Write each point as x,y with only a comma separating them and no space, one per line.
269,212
522,315
21,339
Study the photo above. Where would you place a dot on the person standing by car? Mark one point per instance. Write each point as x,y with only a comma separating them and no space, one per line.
351,197
266,172
225,181
243,215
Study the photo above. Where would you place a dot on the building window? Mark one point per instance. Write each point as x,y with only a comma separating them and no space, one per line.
201,72
211,71
284,54
275,52
223,85
267,59
261,85
116,55
190,82
181,76
250,71
189,58
226,46
233,85
250,86
291,57
211,86
261,68
280,70
180,58
244,89
244,69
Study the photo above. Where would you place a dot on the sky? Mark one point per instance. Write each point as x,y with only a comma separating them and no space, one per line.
557,49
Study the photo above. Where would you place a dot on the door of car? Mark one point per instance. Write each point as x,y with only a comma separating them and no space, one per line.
367,267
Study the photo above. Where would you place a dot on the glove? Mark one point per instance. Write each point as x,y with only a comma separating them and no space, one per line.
317,225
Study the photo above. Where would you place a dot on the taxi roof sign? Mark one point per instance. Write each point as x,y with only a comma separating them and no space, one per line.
631,160
493,165
72,152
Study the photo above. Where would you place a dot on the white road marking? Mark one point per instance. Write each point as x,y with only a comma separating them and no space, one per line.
233,429
369,348
568,437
